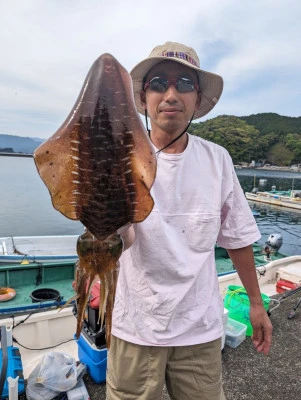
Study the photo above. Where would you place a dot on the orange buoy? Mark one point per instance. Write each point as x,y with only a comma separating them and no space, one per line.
7,294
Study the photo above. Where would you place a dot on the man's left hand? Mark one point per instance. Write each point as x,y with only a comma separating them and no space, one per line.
262,329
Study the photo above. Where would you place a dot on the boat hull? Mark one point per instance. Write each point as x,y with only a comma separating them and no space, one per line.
267,275
276,200
39,249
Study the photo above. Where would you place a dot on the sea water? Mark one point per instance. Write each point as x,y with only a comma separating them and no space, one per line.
25,204
26,208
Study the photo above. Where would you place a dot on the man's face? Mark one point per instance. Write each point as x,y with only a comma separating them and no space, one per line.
170,110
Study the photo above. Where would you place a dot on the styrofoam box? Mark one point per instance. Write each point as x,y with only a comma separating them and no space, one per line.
235,333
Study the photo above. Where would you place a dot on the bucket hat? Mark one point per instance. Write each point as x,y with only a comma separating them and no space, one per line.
211,85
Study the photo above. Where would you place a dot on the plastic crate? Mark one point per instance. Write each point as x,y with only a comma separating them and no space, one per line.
14,369
282,285
94,358
235,333
79,392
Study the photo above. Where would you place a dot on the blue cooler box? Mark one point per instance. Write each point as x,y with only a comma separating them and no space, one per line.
14,369
94,358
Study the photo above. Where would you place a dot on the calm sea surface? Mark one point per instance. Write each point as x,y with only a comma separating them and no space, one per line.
26,209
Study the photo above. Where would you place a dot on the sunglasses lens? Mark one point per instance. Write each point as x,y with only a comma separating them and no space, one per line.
158,85
185,85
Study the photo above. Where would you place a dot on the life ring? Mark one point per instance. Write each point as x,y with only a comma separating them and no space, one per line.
7,294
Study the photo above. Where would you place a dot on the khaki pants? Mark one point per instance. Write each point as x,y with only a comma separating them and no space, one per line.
139,372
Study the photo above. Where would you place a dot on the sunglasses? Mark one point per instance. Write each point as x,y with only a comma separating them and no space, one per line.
160,85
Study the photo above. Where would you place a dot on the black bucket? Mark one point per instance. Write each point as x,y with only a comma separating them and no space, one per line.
45,294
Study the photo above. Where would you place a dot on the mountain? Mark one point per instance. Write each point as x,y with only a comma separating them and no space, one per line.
272,122
266,137
19,144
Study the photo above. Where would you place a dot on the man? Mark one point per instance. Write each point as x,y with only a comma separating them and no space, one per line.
167,319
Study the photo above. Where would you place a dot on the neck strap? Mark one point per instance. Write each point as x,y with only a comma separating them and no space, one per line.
174,140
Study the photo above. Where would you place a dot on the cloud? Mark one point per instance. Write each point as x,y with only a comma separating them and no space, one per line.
49,46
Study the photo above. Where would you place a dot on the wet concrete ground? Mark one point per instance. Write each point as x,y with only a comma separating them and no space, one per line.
249,375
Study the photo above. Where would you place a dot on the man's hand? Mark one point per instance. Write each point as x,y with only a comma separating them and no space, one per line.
262,329
127,234
243,259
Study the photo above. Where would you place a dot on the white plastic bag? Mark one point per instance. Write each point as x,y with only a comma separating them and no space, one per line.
56,373
36,391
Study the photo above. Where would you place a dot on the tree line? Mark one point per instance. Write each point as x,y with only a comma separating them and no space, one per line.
266,138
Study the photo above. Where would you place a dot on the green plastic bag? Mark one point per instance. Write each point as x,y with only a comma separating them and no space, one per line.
238,305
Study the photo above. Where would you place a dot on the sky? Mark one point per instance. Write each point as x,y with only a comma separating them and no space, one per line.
48,46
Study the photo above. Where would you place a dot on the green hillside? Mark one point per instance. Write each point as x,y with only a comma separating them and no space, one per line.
271,122
268,137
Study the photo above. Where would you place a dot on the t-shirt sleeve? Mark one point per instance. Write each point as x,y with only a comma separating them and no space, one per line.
238,225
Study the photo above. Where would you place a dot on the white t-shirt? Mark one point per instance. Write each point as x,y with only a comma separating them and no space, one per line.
167,292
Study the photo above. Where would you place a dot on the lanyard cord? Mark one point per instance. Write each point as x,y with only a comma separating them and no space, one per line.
174,140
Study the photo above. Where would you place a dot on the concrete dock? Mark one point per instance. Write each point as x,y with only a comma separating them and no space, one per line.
248,375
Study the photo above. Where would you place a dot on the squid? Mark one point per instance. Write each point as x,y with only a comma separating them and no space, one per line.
99,167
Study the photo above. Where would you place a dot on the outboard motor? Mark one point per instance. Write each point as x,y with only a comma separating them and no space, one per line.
297,195
262,182
275,241
254,190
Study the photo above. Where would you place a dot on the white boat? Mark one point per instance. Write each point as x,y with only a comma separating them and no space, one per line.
29,249
287,268
290,199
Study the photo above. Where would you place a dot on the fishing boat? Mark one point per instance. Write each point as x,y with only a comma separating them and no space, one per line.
48,285
286,269
31,249
45,286
262,255
37,286
48,249
290,198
